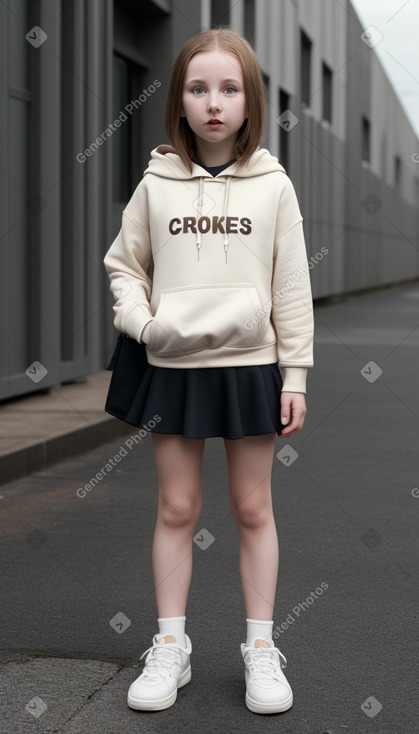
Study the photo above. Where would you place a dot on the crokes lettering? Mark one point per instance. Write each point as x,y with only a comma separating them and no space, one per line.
224,225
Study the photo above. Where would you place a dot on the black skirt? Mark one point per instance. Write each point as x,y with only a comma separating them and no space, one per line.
228,402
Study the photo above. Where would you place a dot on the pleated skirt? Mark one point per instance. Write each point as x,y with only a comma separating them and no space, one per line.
209,402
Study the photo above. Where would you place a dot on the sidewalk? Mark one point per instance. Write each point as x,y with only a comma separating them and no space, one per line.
38,430
78,604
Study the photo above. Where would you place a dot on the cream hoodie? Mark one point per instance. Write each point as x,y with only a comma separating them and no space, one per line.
231,284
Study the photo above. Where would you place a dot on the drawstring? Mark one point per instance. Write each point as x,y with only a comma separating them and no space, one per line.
225,209
198,233
226,190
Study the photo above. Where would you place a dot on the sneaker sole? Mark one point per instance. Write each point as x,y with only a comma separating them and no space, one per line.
162,703
268,708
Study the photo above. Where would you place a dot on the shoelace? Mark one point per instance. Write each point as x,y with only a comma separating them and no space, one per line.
161,659
263,660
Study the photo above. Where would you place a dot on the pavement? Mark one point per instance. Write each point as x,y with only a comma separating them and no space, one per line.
39,429
78,605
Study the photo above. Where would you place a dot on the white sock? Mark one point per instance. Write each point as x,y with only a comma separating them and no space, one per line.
259,629
173,626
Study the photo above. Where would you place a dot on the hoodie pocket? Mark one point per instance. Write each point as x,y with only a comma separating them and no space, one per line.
194,318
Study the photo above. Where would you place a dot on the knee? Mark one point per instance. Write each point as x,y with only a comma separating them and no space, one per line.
251,516
180,511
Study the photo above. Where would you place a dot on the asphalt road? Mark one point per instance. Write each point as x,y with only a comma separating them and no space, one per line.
78,604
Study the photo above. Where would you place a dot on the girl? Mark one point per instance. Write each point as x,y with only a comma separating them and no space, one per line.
228,324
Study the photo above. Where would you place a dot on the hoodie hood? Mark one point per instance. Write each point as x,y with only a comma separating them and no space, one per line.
166,163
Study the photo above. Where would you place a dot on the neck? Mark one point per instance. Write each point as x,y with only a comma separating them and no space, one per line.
211,154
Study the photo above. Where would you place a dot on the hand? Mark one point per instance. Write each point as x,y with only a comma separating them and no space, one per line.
293,411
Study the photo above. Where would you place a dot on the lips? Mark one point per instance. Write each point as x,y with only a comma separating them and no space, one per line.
214,122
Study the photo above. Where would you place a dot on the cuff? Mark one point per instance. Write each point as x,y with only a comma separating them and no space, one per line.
294,379
136,320
145,334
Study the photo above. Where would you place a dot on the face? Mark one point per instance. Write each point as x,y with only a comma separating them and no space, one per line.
213,89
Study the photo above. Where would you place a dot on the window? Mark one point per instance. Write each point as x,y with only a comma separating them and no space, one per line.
220,12
249,21
397,169
284,104
365,139
266,82
305,69
126,141
327,92
120,139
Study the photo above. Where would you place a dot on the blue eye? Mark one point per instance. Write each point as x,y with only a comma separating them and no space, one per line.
197,90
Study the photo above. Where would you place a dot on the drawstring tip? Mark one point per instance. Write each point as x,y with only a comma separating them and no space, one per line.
226,246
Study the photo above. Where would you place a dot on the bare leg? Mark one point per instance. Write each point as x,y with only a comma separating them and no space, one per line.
179,469
250,467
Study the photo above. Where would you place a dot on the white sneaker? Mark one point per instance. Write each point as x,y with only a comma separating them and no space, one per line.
166,669
267,689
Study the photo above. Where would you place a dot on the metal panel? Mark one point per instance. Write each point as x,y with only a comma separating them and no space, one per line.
15,97
73,188
98,197
47,351
4,195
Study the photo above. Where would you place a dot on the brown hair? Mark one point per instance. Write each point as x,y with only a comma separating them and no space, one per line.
177,128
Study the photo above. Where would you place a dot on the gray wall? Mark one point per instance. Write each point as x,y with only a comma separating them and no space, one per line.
371,242
55,97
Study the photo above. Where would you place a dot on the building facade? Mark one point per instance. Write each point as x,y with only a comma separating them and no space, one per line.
83,87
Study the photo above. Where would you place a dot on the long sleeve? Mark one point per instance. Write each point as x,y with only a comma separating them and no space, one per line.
292,304
126,263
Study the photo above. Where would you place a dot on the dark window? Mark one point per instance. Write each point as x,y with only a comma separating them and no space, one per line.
249,21
220,12
305,80
120,139
284,104
128,83
397,169
365,139
327,92
266,82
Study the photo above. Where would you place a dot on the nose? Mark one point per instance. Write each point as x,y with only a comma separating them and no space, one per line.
214,103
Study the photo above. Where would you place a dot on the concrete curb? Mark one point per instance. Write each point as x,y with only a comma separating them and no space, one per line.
42,428
44,453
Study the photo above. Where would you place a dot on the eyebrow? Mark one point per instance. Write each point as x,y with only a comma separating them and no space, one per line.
201,81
